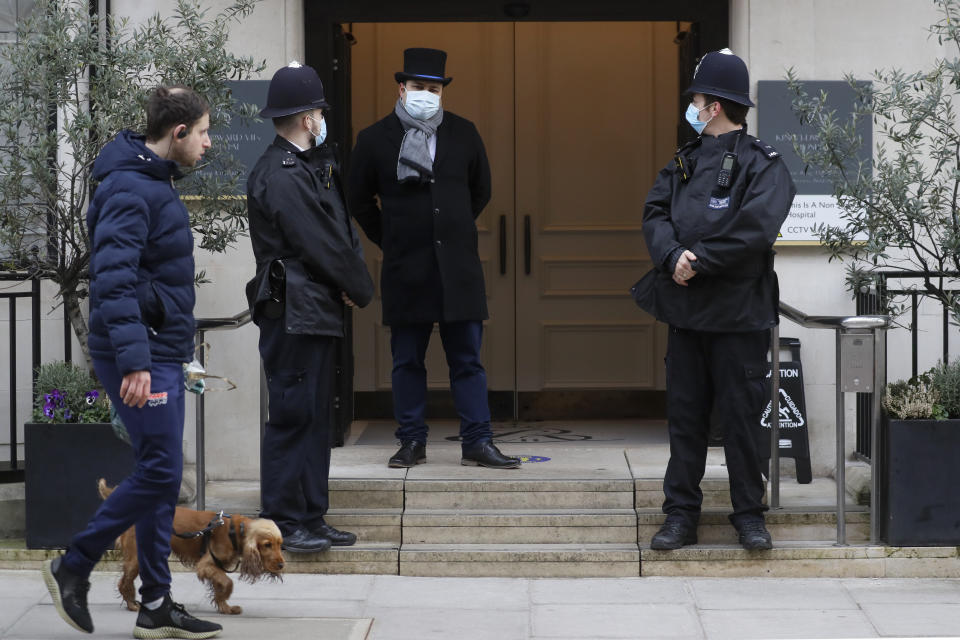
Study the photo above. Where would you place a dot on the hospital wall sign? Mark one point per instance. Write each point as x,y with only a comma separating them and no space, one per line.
777,125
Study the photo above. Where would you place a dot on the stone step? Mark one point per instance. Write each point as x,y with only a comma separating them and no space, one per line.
788,559
520,560
373,558
370,525
716,492
374,493
799,525
345,493
803,560
434,526
519,494
363,557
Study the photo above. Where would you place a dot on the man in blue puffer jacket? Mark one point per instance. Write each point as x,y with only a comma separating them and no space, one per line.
141,333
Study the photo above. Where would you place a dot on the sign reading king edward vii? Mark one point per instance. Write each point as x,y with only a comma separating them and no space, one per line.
778,126
245,140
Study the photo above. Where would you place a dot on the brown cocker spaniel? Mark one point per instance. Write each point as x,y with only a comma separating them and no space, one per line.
252,546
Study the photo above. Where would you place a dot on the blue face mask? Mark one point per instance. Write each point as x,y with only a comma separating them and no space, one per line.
318,138
692,114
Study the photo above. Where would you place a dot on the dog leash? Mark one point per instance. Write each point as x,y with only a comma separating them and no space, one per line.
217,521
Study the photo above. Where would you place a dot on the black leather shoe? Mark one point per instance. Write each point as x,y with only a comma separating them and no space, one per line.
754,536
486,454
411,453
335,536
69,594
674,533
302,541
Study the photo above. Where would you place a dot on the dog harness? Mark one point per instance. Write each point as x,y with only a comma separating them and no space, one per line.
234,534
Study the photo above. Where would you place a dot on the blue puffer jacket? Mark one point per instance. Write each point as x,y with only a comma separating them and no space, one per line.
141,268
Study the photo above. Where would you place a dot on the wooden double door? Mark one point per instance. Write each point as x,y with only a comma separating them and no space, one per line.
577,119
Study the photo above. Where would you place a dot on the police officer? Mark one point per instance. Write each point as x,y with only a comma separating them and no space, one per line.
309,265
710,222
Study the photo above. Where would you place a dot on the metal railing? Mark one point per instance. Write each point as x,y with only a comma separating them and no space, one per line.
873,325
874,300
204,325
12,470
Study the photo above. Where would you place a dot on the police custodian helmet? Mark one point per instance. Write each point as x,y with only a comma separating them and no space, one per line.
294,88
722,74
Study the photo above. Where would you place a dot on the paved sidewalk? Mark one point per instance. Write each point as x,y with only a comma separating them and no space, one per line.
345,607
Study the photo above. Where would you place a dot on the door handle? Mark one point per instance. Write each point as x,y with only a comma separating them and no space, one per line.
526,244
503,245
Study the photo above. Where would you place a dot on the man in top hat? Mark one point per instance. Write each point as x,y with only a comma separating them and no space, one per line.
309,265
710,222
429,170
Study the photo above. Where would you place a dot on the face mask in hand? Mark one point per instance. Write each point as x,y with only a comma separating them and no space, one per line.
692,114
421,105
318,138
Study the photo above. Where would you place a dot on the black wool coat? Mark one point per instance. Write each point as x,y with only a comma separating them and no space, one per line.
428,233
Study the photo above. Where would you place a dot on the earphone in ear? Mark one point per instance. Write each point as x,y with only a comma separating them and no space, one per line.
182,133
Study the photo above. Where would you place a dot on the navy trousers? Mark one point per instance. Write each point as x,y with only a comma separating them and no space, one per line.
722,374
295,453
468,379
148,497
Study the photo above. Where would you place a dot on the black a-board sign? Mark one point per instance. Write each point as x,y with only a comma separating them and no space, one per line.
244,139
794,435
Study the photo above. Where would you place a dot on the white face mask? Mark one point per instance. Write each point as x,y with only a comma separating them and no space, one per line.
421,105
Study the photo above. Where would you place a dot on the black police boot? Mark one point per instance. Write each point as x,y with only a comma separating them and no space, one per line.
69,594
754,536
171,620
674,533
486,454
336,537
411,453
302,541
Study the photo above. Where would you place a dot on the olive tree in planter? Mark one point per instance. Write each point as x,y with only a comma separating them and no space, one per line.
68,85
903,212
70,82
73,445
919,503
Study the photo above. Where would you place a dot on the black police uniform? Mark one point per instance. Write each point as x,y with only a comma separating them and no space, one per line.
718,339
307,253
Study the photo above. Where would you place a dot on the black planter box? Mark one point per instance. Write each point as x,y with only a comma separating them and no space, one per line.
919,502
63,463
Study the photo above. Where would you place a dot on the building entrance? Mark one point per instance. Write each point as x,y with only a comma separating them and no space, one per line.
577,119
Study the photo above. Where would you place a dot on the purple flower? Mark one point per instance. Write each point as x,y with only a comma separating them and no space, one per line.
48,411
48,398
92,397
67,415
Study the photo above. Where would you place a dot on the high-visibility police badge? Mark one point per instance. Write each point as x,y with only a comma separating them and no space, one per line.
719,203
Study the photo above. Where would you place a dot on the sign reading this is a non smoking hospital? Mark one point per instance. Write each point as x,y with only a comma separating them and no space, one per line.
777,125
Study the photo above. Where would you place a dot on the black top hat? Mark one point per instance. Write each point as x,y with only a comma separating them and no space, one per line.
293,89
423,64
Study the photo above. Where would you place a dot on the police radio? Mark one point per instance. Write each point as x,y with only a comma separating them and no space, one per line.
727,165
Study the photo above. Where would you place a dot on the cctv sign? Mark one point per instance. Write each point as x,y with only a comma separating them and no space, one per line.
777,125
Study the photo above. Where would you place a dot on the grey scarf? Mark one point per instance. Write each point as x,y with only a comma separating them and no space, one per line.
415,163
